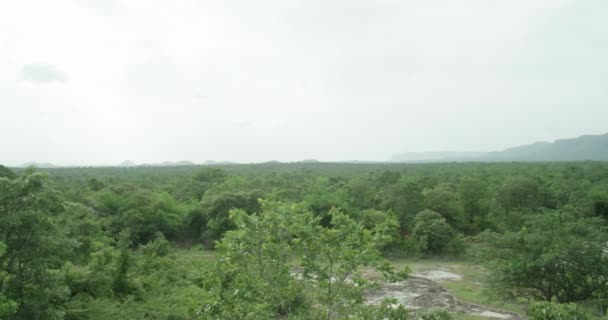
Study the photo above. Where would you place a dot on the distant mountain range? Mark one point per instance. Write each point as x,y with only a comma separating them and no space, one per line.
587,147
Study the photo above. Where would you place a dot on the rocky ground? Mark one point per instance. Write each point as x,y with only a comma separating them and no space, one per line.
420,291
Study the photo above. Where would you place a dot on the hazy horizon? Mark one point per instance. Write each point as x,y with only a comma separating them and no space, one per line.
97,82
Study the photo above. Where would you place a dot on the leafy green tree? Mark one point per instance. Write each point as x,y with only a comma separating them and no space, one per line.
34,247
121,285
95,184
159,247
333,258
554,256
8,307
597,197
85,227
93,280
254,263
433,234
255,266
518,193
216,208
6,172
360,195
372,217
404,199
205,179
388,177
444,200
142,211
476,203
324,195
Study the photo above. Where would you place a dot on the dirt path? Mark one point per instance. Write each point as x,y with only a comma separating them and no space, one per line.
420,292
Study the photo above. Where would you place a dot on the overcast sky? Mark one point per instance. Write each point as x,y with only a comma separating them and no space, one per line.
101,81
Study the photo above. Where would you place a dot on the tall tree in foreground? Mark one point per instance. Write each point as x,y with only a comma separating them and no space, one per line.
34,247
253,267
282,261
333,258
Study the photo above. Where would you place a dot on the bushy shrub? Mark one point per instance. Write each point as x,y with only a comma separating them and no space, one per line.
556,311
159,247
434,314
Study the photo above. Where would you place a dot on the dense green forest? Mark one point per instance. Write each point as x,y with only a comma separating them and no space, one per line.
299,240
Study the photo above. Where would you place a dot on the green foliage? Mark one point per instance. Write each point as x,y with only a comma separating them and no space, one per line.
82,225
446,201
6,172
404,199
254,266
554,311
432,233
121,284
64,252
34,248
332,257
95,184
388,309
143,212
8,307
554,256
96,278
518,193
215,212
204,180
434,314
597,197
372,217
159,247
476,201
322,196
168,287
254,263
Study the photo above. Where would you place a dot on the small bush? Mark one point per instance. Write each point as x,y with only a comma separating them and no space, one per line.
556,311
159,246
434,314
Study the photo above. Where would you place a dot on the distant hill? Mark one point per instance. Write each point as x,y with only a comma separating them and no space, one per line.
213,163
587,147
169,164
436,156
127,163
271,162
42,165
